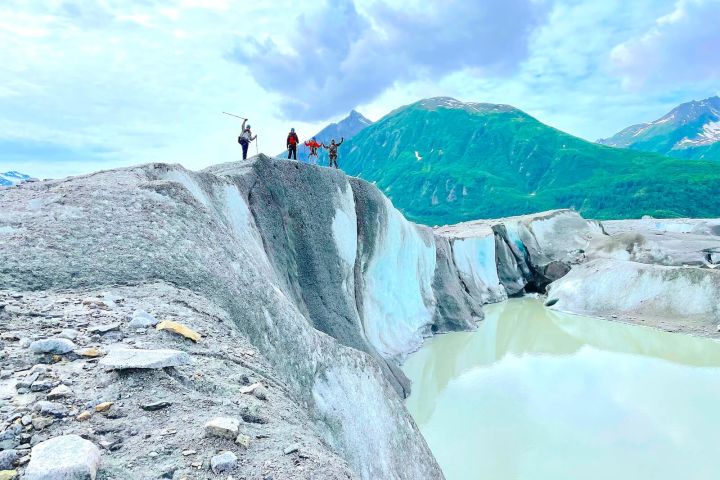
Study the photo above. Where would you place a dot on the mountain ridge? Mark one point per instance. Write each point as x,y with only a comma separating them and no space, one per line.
443,161
691,131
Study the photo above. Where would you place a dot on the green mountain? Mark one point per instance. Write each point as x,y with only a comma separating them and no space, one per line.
443,161
690,131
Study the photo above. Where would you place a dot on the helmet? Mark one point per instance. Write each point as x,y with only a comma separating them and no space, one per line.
314,139
292,130
247,127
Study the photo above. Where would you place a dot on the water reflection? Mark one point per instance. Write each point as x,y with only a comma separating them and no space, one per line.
536,394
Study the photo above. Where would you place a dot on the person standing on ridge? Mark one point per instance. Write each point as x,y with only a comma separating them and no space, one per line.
292,143
333,151
313,145
245,138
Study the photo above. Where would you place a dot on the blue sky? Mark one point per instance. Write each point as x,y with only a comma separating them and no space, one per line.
96,84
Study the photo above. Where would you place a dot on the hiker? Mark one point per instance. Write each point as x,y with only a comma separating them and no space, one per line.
333,151
292,143
245,138
313,145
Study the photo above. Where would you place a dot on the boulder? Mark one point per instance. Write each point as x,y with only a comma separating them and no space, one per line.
103,327
68,457
223,462
223,427
61,391
51,408
179,329
57,346
142,319
8,459
125,358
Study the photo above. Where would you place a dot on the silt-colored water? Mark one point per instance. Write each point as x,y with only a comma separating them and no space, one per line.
538,395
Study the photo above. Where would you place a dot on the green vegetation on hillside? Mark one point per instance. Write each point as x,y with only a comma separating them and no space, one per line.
485,161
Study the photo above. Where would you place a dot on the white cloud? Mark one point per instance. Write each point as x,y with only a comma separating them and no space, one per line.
683,46
339,56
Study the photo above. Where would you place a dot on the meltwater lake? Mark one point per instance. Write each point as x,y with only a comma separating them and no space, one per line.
534,394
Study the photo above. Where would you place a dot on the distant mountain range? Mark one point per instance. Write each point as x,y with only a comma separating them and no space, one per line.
691,130
347,127
8,179
443,161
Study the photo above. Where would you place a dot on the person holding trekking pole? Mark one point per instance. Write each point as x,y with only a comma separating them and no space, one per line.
245,138
333,151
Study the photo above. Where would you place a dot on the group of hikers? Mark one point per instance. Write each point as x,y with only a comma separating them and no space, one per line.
292,143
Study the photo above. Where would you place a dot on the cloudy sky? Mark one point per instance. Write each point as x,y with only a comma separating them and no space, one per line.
93,84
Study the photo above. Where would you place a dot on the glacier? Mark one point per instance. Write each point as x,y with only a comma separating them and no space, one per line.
329,281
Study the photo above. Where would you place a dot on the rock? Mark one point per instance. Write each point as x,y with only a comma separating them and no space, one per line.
69,333
291,449
103,407
10,336
41,423
223,462
8,474
83,416
223,427
41,386
243,440
68,457
103,328
180,329
26,420
58,346
151,407
8,459
51,408
61,391
27,381
260,393
98,303
142,319
252,415
122,358
250,388
90,352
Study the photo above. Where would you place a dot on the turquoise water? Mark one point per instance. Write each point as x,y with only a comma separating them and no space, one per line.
539,395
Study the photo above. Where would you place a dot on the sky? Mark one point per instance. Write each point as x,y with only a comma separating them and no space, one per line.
97,84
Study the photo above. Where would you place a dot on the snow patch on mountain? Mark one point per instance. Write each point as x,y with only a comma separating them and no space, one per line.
710,134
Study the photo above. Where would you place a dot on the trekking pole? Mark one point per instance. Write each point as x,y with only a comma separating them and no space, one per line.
233,115
257,149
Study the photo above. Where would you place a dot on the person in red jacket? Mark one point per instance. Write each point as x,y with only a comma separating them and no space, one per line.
313,145
292,143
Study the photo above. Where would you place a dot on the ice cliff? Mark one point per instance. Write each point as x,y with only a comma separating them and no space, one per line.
318,271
